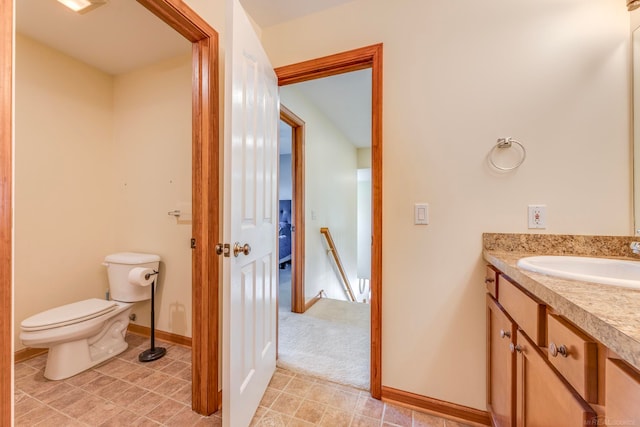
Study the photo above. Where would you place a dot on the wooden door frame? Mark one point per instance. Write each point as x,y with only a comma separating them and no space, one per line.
297,191
205,199
205,196
6,210
353,60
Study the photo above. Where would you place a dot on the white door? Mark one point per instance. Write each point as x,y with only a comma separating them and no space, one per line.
250,198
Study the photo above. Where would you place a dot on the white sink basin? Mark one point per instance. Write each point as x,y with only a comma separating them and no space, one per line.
606,271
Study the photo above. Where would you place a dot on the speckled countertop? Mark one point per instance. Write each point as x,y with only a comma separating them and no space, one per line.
609,314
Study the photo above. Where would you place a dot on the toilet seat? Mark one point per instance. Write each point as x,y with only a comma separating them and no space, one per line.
68,314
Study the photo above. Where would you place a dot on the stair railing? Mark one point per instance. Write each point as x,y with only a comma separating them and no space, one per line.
334,251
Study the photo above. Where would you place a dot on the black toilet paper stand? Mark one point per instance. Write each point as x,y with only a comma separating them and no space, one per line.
154,353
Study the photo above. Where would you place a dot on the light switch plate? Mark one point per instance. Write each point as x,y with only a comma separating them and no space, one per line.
421,214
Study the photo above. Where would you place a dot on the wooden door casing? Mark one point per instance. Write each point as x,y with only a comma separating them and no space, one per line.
353,60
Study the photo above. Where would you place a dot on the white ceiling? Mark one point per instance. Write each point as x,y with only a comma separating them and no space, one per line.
271,12
345,99
118,37
122,36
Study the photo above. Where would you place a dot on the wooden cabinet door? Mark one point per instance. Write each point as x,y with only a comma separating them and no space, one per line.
543,398
500,365
622,396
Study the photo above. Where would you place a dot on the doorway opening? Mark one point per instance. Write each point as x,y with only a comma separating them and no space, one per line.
291,227
331,339
369,58
204,178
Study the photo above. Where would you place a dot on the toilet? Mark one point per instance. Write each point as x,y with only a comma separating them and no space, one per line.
83,334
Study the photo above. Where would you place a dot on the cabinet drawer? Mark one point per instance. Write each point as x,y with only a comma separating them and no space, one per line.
574,355
622,393
491,281
524,310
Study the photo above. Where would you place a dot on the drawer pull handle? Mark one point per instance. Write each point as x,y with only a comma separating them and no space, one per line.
489,280
555,350
505,334
515,347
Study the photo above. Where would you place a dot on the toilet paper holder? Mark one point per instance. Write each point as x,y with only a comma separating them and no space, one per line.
183,216
148,275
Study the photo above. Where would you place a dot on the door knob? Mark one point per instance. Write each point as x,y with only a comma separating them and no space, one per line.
241,249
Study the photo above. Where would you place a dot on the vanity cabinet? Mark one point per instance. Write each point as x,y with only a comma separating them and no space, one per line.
501,365
543,398
524,388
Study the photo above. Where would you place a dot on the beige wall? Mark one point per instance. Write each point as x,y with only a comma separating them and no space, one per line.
364,158
63,196
457,76
635,19
100,160
152,176
330,197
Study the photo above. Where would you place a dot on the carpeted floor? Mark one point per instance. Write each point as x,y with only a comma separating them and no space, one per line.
330,341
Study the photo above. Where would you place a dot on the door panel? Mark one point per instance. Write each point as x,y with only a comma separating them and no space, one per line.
249,293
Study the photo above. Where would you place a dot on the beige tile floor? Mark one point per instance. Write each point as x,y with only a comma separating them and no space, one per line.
126,392
296,400
120,392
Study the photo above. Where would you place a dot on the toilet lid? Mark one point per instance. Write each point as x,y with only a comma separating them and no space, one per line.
68,314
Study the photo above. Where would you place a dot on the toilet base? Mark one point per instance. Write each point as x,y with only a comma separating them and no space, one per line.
70,358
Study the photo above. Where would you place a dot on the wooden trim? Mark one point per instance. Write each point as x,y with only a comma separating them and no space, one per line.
298,236
376,248
6,210
353,60
358,59
438,407
145,331
28,353
181,18
313,300
205,197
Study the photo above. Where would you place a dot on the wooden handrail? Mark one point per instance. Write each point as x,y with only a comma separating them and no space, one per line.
332,248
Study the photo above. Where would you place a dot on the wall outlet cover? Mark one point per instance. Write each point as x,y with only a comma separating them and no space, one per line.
537,216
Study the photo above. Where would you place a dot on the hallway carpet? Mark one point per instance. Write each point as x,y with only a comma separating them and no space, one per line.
330,341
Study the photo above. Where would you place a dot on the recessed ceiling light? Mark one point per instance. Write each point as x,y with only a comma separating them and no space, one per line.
82,6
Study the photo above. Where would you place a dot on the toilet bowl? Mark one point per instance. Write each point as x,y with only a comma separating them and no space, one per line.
83,334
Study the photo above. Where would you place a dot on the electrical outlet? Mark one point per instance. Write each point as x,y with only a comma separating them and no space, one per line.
537,216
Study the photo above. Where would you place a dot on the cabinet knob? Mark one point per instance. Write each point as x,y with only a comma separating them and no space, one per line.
555,350
489,280
515,347
505,334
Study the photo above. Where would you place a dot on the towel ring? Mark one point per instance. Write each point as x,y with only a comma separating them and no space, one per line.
507,143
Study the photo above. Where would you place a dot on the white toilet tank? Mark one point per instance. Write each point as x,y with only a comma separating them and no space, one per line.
118,267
